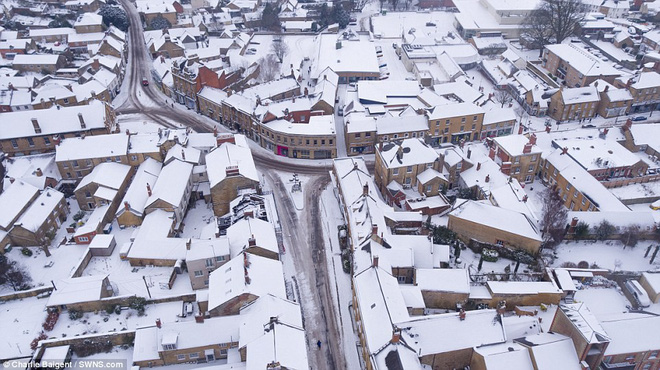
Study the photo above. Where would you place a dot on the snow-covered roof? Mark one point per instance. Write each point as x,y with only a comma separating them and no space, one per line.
53,120
552,351
455,110
522,287
317,125
653,279
77,290
136,194
13,200
597,153
578,95
203,249
446,332
40,59
96,146
109,174
582,60
632,335
585,322
514,144
505,356
39,32
261,276
620,219
353,56
409,152
212,94
172,183
270,89
497,115
430,174
379,91
94,220
40,209
443,280
230,155
498,218
387,125
262,232
26,168
646,134
186,154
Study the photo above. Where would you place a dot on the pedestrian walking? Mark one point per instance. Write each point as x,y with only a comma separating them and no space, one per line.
318,344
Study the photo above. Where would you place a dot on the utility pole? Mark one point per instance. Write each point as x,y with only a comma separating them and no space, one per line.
146,285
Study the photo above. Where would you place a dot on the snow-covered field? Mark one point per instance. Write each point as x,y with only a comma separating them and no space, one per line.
607,254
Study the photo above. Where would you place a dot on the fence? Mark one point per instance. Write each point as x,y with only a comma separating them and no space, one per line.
25,293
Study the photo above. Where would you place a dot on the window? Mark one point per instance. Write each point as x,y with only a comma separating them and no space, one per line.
534,158
199,273
429,188
316,142
219,258
83,239
462,128
516,160
30,141
169,346
575,193
357,136
407,180
405,135
459,165
14,143
193,355
330,141
474,125
396,136
88,194
180,357
447,122
79,174
446,130
414,134
401,279
66,100
395,171
384,137
475,118
653,354
409,169
500,242
209,262
568,186
46,140
117,159
134,158
302,118
322,141
584,201
463,120
75,163
530,169
367,134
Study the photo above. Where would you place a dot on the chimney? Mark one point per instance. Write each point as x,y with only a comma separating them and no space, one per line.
247,277
246,263
491,153
607,87
11,180
38,172
532,139
374,261
183,154
96,64
225,138
127,206
547,129
396,336
527,148
374,229
293,100
629,83
82,121
252,242
365,190
215,131
158,323
35,124
249,213
520,129
148,189
188,244
231,171
478,166
399,153
469,153
487,178
564,150
584,365
571,228
162,59
628,125
128,132
306,92
606,130
524,199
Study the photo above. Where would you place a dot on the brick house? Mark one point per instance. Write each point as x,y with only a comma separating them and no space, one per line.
37,224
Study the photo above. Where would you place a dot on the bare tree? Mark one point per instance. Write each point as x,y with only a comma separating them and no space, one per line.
503,97
394,4
358,5
269,68
554,216
630,236
559,17
535,29
280,49
13,274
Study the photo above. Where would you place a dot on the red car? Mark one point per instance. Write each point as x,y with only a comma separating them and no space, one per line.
145,82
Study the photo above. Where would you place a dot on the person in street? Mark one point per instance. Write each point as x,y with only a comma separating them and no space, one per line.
318,344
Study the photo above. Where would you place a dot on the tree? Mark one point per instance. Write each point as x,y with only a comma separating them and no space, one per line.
270,18
160,23
630,235
59,22
604,230
269,68
554,216
559,17
13,274
535,29
442,235
581,230
280,49
358,5
340,15
115,16
503,97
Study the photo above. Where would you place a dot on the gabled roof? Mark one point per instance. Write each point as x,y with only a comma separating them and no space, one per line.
35,216
13,200
136,195
172,183
107,174
228,155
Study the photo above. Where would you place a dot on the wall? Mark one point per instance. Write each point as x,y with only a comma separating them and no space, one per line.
470,230
449,360
25,293
227,190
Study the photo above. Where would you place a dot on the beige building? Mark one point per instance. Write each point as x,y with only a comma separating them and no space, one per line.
574,104
518,156
494,225
645,90
230,169
38,224
131,208
172,190
312,140
454,123
576,66
103,186
614,101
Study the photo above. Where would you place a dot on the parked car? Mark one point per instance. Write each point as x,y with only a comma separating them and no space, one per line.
637,291
639,118
145,82
588,126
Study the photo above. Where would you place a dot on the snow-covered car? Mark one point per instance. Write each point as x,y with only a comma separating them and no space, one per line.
637,291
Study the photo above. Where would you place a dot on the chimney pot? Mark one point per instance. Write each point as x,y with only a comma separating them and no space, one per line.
38,172
158,323
82,121
149,189
487,178
127,206
374,261
252,242
478,166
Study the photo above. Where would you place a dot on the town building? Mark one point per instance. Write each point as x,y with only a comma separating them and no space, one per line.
518,156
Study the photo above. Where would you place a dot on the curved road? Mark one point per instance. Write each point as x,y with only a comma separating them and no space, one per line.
303,237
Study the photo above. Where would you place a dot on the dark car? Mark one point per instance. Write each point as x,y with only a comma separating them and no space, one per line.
145,82
639,118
